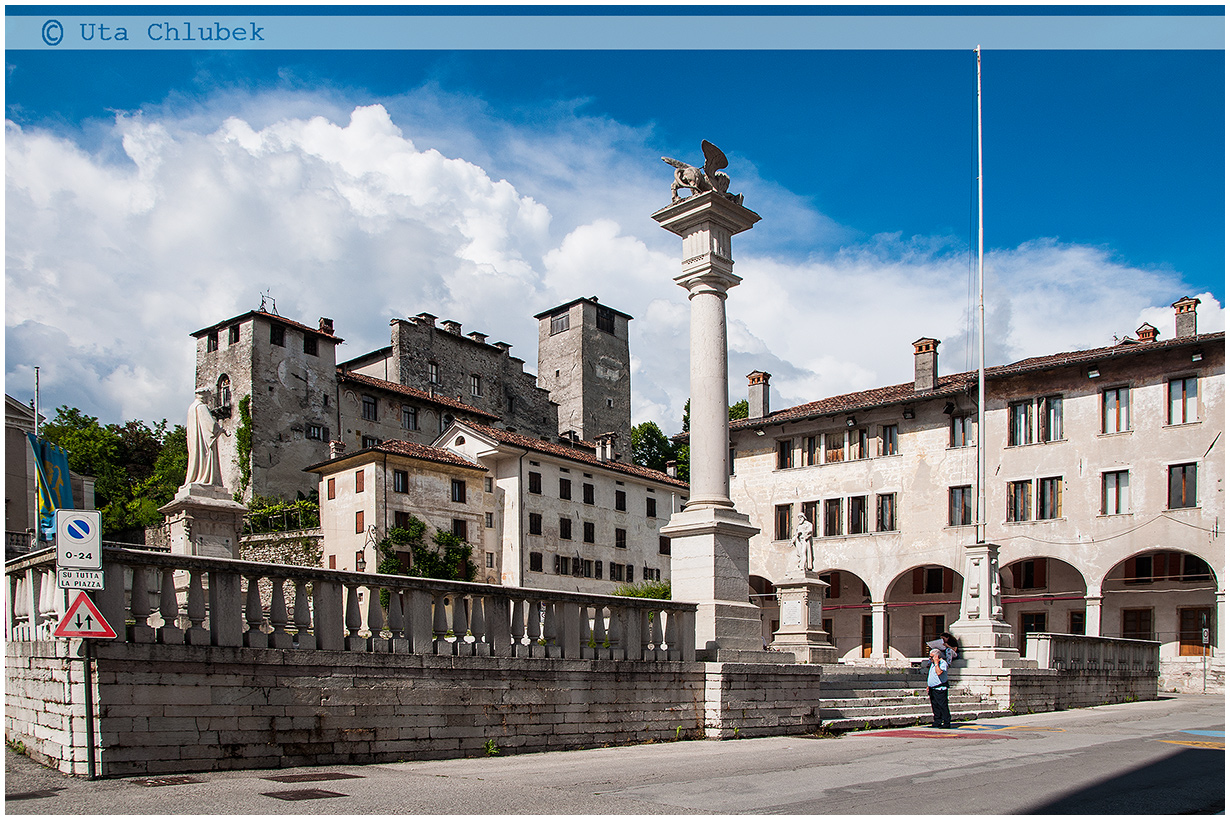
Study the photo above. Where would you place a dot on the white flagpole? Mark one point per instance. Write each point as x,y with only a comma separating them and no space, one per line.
981,520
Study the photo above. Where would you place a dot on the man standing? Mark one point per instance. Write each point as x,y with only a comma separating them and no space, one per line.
937,690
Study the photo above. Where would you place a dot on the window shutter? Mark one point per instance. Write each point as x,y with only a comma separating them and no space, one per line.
557,572
598,570
948,580
1159,565
834,584
1175,560
1016,575
920,580
1040,573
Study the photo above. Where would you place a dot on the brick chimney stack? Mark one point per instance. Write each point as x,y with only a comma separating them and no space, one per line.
326,325
926,364
1146,333
1185,317
452,327
757,394
337,448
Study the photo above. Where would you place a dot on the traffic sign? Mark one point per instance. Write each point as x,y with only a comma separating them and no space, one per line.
79,579
83,620
78,539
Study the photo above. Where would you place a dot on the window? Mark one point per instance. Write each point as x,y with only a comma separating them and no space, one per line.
1020,423
621,539
833,579
232,336
664,545
832,516
834,447
1115,499
211,341
961,431
370,441
409,417
785,454
1076,623
314,432
621,500
332,562
886,512
1138,624
598,570
781,522
445,420
490,560
535,524
559,323
811,449
331,488
1195,569
476,385
858,514
277,335
606,320
1138,570
309,344
932,580
459,491
932,626
358,522
587,532
858,443
459,528
587,493
490,519
960,506
565,489
1050,418
565,528
1116,415
651,508
433,373
651,574
563,565
1050,498
1029,574
536,483
1032,622
587,568
1182,489
401,481
617,572
224,390
358,481
401,520
488,485
888,440
1019,500
809,512
369,408
1192,623
1182,401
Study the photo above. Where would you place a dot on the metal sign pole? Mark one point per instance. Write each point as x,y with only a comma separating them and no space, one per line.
89,712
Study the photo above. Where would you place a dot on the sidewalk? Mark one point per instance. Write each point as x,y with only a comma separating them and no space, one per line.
1164,756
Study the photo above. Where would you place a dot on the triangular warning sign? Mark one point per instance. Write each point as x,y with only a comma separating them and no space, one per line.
83,620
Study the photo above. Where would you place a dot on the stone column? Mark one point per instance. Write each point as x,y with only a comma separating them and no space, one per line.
1093,615
709,539
879,647
984,634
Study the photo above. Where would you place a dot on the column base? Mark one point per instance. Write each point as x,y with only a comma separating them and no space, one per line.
985,640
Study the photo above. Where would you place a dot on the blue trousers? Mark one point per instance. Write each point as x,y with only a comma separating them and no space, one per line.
941,719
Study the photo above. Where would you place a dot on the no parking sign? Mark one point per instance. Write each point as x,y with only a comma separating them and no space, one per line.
78,539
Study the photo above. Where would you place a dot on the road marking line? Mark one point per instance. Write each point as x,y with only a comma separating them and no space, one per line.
1197,744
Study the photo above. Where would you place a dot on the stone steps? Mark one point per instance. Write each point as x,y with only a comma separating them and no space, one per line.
922,717
892,699
954,699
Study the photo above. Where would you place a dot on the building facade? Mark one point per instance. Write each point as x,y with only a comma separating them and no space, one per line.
1104,493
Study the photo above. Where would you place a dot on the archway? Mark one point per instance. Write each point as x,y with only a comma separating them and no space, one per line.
1043,595
847,614
921,603
1169,596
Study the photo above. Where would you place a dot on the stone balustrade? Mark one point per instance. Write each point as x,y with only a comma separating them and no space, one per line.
160,598
1087,653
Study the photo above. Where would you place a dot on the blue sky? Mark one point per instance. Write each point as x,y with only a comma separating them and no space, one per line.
1105,191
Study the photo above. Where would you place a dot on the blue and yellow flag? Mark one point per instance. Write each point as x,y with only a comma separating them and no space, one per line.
55,490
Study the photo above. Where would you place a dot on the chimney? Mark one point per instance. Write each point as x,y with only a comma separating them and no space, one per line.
672,469
503,346
426,319
1185,317
478,337
1146,333
600,447
326,325
926,358
757,394
452,327
337,449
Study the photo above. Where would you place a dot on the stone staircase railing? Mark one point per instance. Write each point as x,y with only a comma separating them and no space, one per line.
160,598
1089,653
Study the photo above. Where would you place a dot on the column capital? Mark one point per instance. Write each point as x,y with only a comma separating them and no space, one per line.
716,279
711,208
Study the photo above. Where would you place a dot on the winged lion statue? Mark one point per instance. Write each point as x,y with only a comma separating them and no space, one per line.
700,180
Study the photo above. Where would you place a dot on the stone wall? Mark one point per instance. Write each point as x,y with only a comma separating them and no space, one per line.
42,681
1024,690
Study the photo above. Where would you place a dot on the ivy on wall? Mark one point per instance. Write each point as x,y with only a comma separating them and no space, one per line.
243,444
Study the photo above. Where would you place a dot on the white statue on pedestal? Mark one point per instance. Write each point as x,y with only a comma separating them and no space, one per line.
204,465
802,544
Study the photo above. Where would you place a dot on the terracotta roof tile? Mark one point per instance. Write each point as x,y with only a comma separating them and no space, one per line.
420,395
272,317
410,449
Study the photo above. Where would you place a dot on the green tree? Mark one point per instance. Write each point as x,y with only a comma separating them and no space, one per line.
683,452
446,557
738,410
660,590
650,446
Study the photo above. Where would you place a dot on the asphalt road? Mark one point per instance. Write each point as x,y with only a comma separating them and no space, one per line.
1158,757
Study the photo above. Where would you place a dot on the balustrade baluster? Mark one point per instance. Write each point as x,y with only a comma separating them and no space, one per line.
278,619
587,633
48,613
634,635
255,615
617,635
655,617
198,635
534,618
478,626
568,621
460,625
439,624
354,620
139,606
550,630
398,640
602,646
375,621
110,599
304,639
225,609
168,608
672,634
495,611
15,628
517,628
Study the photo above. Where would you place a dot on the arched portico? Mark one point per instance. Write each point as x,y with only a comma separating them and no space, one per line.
1166,595
762,593
920,604
847,614
1044,594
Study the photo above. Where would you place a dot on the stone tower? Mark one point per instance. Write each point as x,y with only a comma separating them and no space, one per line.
288,373
583,361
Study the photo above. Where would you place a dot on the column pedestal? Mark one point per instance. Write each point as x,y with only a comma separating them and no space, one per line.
985,637
801,624
204,520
